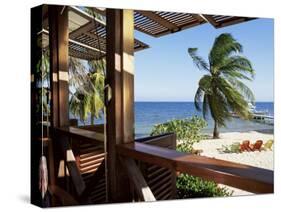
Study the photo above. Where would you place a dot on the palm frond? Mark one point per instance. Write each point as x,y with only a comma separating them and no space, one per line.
223,46
78,75
205,83
205,109
197,60
198,98
242,88
238,64
88,96
236,101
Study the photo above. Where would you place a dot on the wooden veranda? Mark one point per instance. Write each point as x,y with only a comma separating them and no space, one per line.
97,164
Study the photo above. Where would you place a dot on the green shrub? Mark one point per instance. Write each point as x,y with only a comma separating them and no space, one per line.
192,187
188,131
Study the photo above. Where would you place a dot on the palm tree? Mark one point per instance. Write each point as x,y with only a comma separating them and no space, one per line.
79,104
97,77
78,75
222,89
87,97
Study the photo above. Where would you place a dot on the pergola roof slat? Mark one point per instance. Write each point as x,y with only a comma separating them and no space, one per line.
90,32
87,34
76,49
210,19
219,21
156,18
170,22
96,33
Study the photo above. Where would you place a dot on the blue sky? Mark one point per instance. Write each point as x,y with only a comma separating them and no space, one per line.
165,72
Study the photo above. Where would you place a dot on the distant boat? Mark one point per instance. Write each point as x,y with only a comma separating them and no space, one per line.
252,109
260,115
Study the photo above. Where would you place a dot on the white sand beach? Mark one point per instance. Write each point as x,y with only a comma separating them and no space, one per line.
263,159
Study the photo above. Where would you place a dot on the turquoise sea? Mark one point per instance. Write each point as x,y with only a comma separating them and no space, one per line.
147,114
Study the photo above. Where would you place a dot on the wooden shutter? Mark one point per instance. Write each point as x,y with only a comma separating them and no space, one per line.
162,181
90,159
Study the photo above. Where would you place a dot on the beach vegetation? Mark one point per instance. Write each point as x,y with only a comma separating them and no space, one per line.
222,90
188,131
191,187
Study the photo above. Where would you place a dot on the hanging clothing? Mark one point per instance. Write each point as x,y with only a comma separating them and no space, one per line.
43,176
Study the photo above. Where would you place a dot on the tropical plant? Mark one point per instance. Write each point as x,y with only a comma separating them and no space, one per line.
78,74
43,81
190,187
97,76
188,131
43,66
222,90
87,97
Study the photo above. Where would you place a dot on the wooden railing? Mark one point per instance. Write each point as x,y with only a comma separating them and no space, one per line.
161,180
137,179
252,179
80,133
68,140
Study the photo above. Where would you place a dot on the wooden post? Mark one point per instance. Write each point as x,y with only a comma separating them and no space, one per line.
58,37
120,110
58,24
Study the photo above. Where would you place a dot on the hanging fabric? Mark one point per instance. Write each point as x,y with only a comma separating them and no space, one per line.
43,176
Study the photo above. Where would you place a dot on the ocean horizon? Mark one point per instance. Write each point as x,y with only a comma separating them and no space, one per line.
150,113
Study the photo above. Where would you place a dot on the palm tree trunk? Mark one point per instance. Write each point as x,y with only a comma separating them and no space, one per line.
216,132
92,119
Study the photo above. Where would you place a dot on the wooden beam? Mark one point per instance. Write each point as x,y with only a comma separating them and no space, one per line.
198,18
158,19
81,134
58,24
74,42
210,19
86,46
234,20
58,43
120,109
136,177
84,28
249,178
127,80
163,140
